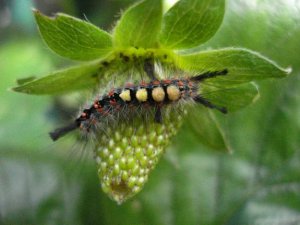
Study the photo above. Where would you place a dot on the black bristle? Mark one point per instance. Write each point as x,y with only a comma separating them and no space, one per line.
149,68
209,74
58,133
158,115
208,104
223,110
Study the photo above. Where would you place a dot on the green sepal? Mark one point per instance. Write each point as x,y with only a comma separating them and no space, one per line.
139,26
243,65
63,81
232,98
190,23
73,38
203,123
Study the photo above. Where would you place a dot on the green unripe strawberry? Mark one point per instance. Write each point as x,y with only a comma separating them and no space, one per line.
128,152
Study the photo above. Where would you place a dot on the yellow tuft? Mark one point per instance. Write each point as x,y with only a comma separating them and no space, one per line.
173,93
158,94
125,95
141,95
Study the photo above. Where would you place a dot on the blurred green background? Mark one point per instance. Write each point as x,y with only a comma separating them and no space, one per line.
259,183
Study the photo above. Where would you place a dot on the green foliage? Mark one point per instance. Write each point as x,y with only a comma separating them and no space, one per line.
70,79
190,23
230,95
73,38
139,25
205,126
243,65
139,28
258,184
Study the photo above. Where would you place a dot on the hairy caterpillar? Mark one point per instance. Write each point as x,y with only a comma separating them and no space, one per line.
154,94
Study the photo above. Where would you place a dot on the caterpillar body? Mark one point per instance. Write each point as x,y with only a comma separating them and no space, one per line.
148,95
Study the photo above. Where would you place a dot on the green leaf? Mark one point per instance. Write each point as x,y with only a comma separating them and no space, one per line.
243,65
63,81
190,23
241,28
203,123
139,26
233,98
73,38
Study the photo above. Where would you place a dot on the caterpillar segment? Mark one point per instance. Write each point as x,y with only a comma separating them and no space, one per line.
155,94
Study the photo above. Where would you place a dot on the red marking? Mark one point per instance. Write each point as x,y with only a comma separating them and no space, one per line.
96,106
156,82
129,85
111,92
167,81
143,84
180,83
112,102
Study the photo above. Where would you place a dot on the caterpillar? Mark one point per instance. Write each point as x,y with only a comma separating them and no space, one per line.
154,94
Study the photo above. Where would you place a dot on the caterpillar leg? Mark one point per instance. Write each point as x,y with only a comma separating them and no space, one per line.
208,104
209,74
149,69
158,115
